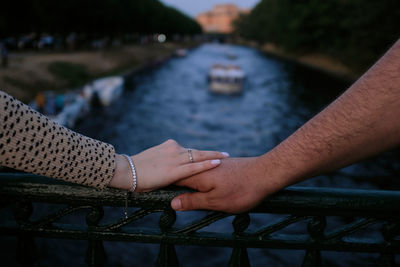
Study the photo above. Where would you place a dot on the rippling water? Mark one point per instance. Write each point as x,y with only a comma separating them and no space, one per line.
173,101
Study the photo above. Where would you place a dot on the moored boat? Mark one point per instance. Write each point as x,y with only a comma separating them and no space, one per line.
106,90
66,109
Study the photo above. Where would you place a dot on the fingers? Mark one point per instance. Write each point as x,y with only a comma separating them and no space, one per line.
187,182
199,182
197,167
190,201
175,148
201,155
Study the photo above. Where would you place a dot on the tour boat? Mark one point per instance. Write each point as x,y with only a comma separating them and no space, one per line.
226,79
105,90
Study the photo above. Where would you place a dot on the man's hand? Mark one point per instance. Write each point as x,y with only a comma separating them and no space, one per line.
235,186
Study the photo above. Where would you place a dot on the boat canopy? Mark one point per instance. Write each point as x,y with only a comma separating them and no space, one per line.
229,71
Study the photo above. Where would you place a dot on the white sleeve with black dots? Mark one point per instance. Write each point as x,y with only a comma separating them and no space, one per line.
33,143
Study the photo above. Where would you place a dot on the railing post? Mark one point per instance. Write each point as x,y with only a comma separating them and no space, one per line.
26,248
239,256
167,255
316,231
95,254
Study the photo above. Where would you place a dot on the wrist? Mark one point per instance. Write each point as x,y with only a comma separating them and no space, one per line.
122,178
277,172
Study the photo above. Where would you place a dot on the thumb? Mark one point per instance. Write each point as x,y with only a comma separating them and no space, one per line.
190,201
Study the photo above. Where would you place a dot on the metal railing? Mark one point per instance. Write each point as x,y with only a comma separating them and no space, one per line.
371,210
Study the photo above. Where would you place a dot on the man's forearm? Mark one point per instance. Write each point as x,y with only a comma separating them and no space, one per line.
364,121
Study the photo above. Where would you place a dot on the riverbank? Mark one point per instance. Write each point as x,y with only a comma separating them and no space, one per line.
316,61
31,72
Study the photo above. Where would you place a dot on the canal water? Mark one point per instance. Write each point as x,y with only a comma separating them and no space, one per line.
173,101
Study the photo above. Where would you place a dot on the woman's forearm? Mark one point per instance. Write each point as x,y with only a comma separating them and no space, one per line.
33,143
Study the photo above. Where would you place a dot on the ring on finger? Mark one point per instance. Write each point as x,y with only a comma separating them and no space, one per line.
189,150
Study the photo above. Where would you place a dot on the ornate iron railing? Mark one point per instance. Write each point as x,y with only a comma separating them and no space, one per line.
376,211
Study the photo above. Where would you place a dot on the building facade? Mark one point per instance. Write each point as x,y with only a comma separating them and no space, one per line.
220,18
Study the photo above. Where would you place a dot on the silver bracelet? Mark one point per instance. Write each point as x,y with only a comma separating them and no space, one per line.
133,169
134,175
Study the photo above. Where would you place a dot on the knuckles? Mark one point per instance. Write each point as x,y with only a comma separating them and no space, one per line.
171,142
172,146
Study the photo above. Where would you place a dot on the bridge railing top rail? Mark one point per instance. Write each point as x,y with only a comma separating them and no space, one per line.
311,200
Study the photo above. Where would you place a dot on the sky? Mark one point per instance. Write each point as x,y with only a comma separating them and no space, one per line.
194,7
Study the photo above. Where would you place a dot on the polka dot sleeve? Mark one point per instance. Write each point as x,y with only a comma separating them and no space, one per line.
33,143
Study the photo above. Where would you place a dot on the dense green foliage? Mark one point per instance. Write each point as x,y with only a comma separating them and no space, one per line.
356,31
92,17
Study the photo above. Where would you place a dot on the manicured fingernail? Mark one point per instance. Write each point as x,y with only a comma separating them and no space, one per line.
226,154
176,204
215,162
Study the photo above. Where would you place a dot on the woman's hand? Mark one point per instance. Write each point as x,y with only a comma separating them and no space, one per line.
162,165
